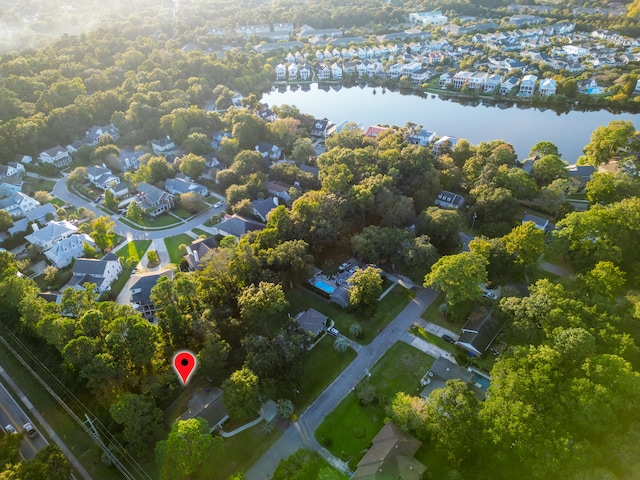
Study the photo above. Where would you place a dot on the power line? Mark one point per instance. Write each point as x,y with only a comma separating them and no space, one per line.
95,429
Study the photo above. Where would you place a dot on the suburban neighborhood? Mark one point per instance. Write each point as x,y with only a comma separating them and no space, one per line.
358,300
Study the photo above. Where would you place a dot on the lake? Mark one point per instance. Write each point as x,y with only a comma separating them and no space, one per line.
522,127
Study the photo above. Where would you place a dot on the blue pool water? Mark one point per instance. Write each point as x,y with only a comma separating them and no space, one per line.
483,381
594,90
325,287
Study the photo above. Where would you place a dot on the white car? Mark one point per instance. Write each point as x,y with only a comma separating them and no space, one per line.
218,204
31,431
10,429
333,331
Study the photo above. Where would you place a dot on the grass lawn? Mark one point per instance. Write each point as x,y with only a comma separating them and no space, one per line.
172,243
182,213
323,366
81,444
58,202
240,452
433,339
165,220
432,314
135,249
36,184
200,232
349,429
308,464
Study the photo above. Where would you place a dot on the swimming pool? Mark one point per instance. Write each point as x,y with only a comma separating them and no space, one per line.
325,287
594,90
484,382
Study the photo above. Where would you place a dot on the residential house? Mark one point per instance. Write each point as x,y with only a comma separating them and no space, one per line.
281,71
269,150
56,156
540,222
9,170
521,20
445,80
444,145
374,68
391,457
447,199
492,83
421,76
164,146
479,332
183,184
508,84
422,137
477,80
590,87
375,130
547,87
10,185
24,159
441,371
217,139
46,237
312,322
305,72
582,173
460,79
336,71
38,214
411,68
292,71
18,204
349,68
262,208
68,249
324,72
119,190
102,177
93,135
236,226
279,190
129,161
323,128
152,200
428,18
197,251
267,114
575,50
528,85
141,294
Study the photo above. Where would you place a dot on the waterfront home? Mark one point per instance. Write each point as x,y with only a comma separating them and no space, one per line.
492,83
460,79
445,80
323,128
547,87
305,72
508,84
324,72
528,85
281,71
292,71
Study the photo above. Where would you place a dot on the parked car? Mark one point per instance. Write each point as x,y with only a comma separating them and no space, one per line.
333,331
447,338
218,204
10,429
490,295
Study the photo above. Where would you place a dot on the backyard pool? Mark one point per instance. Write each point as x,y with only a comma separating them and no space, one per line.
484,382
324,286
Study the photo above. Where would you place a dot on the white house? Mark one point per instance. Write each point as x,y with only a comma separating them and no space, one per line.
102,273
423,137
281,72
492,83
324,72
528,85
18,204
460,78
336,71
10,185
164,146
57,156
305,72
428,18
547,87
477,80
292,71
575,50
66,250
54,232
445,80
93,135
508,84
102,177
269,150
323,128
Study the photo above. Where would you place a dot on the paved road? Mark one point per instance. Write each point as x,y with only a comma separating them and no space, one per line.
60,191
12,414
300,433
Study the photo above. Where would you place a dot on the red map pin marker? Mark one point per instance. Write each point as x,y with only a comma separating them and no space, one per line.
184,363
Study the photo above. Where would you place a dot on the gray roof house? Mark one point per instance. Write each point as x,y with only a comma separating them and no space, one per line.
197,250
141,294
181,185
541,223
236,226
57,156
479,332
447,199
66,250
102,177
102,273
45,238
391,457
164,146
312,322
440,372
18,204
152,200
261,208
93,135
10,184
